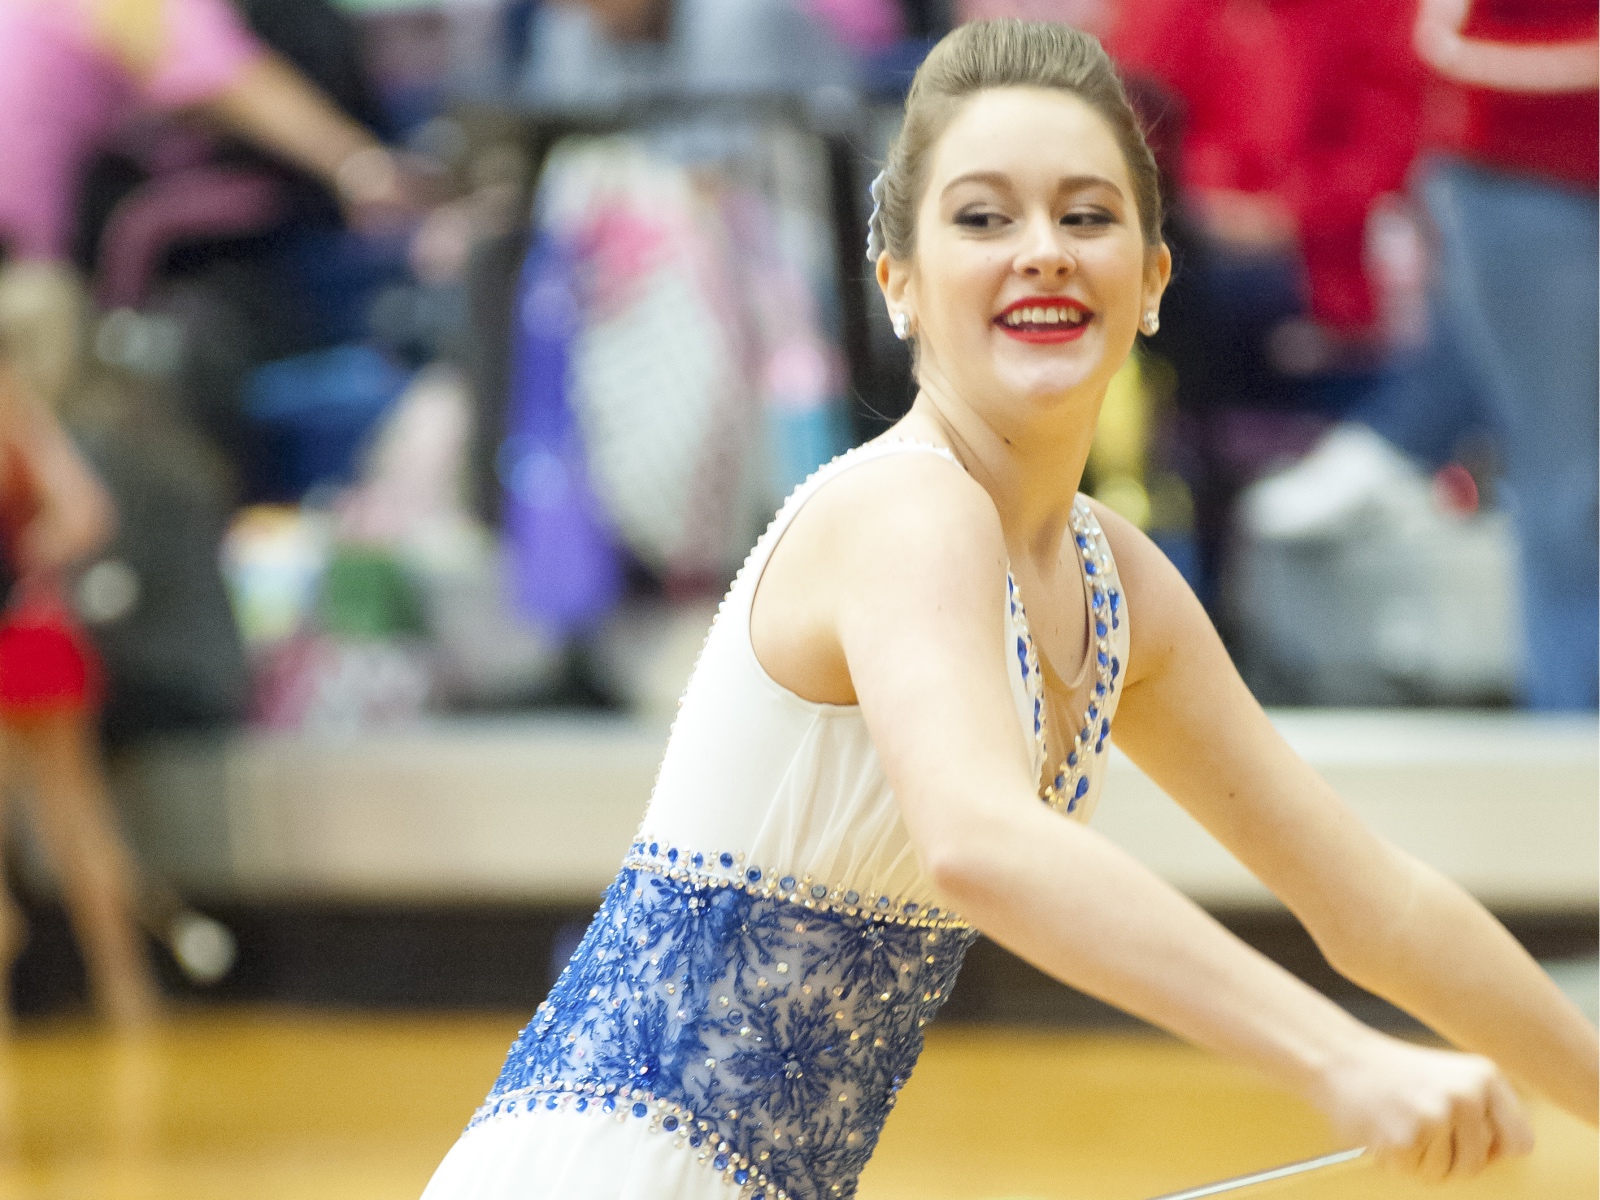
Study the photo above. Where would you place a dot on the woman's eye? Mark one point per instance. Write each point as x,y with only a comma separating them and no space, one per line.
1088,218
979,219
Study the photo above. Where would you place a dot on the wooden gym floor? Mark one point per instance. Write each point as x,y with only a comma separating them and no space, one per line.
279,1105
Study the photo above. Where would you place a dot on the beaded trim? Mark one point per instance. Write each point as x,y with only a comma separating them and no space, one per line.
610,1099
729,869
1071,782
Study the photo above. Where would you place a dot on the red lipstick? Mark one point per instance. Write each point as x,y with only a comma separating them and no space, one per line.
1045,319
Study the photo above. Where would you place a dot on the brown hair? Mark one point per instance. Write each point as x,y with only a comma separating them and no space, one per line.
995,54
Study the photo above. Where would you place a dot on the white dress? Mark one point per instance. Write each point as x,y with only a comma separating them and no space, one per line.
753,991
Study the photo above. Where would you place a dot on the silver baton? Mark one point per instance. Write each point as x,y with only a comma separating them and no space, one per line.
1288,1171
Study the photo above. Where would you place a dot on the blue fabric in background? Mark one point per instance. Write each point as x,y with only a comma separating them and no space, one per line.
563,567
314,412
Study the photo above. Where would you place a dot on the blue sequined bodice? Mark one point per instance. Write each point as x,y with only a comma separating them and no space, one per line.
765,1024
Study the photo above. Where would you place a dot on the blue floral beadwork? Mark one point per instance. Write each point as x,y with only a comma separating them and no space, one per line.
769,1035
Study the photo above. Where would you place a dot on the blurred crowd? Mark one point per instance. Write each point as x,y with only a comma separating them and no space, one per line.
366,358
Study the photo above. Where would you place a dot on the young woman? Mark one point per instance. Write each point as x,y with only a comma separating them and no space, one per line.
854,782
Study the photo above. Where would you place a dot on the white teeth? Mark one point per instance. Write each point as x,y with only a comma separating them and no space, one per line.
1040,315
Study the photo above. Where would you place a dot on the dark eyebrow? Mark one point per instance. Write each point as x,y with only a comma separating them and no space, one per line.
1000,180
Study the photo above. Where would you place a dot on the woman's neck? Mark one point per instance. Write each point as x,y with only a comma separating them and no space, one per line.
1031,471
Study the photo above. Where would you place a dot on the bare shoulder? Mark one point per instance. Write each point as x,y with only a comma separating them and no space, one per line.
1162,609
908,510
873,557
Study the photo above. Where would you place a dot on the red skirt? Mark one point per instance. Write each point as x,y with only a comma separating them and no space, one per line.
46,662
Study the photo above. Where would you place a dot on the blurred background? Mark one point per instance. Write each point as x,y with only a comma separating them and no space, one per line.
442,360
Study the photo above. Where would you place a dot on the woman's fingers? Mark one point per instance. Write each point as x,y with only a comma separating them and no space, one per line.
1513,1136
1403,1158
1438,1152
1474,1135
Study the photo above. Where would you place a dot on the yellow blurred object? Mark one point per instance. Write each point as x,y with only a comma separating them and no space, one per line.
1122,438
41,323
1125,496
1119,469
134,31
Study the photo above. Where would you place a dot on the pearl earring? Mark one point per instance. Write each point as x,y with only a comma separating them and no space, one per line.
902,326
1151,322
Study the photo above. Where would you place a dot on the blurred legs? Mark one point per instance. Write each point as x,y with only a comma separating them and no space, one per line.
74,819
1517,285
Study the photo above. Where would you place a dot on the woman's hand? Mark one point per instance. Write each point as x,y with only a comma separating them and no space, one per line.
1432,1113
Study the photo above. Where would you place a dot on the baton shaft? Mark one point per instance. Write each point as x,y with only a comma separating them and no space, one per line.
1288,1171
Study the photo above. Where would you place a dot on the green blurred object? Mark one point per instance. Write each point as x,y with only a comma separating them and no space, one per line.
367,595
366,7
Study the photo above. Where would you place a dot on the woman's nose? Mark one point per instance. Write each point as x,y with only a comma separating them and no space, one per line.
1043,254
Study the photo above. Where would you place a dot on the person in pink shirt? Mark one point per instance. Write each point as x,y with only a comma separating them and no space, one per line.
72,71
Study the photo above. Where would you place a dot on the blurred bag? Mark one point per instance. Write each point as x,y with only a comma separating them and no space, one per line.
658,379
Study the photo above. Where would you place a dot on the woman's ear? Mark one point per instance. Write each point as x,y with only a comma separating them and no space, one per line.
1157,274
894,281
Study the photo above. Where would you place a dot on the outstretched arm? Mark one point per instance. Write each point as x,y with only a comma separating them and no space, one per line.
1387,921
915,597
198,53
278,109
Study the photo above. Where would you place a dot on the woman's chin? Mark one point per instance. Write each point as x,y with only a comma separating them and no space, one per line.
1043,372
1044,386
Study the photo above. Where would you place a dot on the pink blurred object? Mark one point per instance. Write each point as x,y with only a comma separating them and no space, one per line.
197,203
863,25
323,684
1092,16
1455,490
61,95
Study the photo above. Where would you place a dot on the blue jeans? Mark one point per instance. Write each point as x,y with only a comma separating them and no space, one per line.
1514,347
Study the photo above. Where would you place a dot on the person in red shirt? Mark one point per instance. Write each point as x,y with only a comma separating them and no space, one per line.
1294,119
1299,115
1509,188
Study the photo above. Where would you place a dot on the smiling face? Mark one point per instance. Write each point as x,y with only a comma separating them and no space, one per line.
1031,272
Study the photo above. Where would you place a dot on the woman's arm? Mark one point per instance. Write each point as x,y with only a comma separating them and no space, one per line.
1387,921
1501,66
914,595
278,109
200,54
75,515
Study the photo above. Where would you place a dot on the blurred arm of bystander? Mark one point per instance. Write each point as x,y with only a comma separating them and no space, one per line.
69,513
199,54
275,107
1552,67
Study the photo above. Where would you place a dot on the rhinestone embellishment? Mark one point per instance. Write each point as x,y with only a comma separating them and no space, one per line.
1065,789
